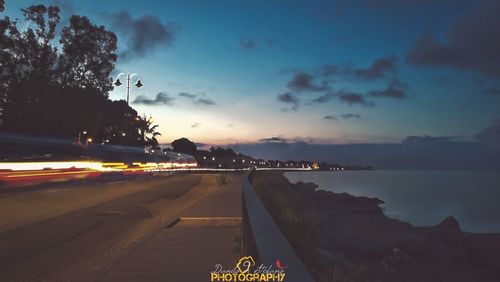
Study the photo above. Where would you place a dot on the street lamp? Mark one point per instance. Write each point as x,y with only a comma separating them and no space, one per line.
138,84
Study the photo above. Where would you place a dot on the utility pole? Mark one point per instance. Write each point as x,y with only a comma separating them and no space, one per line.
128,87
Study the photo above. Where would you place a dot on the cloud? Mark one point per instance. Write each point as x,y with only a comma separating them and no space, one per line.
384,67
230,124
273,140
289,98
426,139
142,35
196,125
303,81
325,97
347,116
344,96
161,98
343,116
491,91
187,95
395,89
471,43
380,68
247,43
352,98
331,118
196,99
204,101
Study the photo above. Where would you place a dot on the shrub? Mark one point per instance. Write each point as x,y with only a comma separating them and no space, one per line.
223,179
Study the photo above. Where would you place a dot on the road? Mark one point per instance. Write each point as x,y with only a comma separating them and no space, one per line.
76,232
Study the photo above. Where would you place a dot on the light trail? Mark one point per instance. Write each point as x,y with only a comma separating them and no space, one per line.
24,173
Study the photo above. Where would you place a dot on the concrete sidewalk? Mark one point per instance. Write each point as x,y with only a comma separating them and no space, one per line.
206,234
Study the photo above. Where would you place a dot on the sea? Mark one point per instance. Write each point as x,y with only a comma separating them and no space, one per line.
422,198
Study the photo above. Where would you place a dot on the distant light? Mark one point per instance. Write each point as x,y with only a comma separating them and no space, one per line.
213,158
124,134
234,160
89,139
84,132
204,158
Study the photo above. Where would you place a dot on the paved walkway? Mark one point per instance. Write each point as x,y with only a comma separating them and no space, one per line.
206,234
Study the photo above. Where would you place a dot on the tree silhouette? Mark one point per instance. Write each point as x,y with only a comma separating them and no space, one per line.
184,145
62,94
88,55
28,71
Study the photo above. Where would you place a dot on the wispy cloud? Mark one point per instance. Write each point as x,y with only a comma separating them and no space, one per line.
247,44
289,98
142,35
196,99
343,116
161,98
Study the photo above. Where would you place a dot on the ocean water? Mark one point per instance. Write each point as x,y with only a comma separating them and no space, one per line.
422,198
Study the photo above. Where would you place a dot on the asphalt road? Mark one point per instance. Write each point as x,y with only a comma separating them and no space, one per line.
73,233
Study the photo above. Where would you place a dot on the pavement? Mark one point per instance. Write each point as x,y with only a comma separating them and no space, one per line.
173,228
207,233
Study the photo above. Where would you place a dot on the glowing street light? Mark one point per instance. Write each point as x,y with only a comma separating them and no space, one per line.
89,140
138,84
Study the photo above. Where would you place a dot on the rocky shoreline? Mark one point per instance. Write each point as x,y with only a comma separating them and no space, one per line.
354,241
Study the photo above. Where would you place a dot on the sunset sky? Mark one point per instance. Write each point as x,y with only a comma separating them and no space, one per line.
226,72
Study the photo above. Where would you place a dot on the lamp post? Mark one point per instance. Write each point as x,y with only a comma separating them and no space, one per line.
138,84
80,134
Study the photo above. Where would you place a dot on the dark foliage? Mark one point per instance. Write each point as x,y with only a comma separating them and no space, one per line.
62,94
184,145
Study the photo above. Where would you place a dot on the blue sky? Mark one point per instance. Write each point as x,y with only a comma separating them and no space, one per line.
234,59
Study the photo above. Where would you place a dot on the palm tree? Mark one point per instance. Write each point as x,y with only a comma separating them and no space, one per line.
148,132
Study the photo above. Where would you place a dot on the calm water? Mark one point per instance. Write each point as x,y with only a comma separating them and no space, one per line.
422,197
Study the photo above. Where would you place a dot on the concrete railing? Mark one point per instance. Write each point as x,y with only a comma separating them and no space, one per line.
263,239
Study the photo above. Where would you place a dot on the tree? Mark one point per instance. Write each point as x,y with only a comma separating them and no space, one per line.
61,94
88,56
28,61
148,132
184,145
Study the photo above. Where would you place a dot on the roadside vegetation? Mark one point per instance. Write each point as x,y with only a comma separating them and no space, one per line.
223,179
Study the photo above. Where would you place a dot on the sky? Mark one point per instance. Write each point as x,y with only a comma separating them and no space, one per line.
314,72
